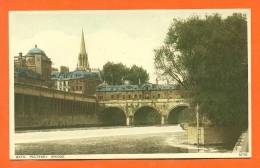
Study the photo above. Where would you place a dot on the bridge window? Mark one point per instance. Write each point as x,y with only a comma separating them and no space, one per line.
135,96
147,96
140,96
129,96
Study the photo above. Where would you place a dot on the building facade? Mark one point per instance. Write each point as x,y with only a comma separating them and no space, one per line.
81,82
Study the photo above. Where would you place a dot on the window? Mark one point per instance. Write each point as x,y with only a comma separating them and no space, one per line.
112,96
123,96
158,95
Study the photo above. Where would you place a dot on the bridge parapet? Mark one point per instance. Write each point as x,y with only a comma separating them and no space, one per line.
33,90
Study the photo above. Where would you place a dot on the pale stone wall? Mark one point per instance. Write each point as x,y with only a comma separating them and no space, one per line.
212,135
43,112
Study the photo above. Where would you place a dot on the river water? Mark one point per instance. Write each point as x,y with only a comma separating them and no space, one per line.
108,140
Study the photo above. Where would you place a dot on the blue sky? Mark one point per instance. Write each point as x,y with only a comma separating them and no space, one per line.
127,36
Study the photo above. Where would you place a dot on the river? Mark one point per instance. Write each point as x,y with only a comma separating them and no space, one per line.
107,140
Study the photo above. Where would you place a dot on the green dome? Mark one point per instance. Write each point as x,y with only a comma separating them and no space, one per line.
36,51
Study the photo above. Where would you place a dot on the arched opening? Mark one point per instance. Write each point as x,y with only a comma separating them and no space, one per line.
112,116
179,114
147,116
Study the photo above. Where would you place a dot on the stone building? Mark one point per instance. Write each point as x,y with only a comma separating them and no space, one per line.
130,92
83,80
33,68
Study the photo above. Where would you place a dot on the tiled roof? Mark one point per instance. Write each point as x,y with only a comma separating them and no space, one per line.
26,73
121,88
74,75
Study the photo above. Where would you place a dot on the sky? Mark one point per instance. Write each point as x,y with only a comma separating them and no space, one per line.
126,36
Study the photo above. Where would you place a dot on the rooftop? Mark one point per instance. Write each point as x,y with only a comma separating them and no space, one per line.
74,75
26,73
121,88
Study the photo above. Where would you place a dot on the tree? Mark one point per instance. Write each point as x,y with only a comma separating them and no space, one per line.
137,75
114,73
209,57
117,74
168,65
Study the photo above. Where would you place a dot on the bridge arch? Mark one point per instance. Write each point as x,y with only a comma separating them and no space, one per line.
146,115
177,114
112,116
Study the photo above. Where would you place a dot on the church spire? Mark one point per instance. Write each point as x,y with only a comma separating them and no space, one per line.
83,63
82,44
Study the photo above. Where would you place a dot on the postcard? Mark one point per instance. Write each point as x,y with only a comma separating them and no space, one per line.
130,84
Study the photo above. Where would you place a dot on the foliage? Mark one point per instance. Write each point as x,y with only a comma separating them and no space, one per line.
114,73
209,57
137,75
117,74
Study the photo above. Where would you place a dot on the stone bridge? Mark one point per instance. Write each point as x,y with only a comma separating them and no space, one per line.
132,109
37,106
